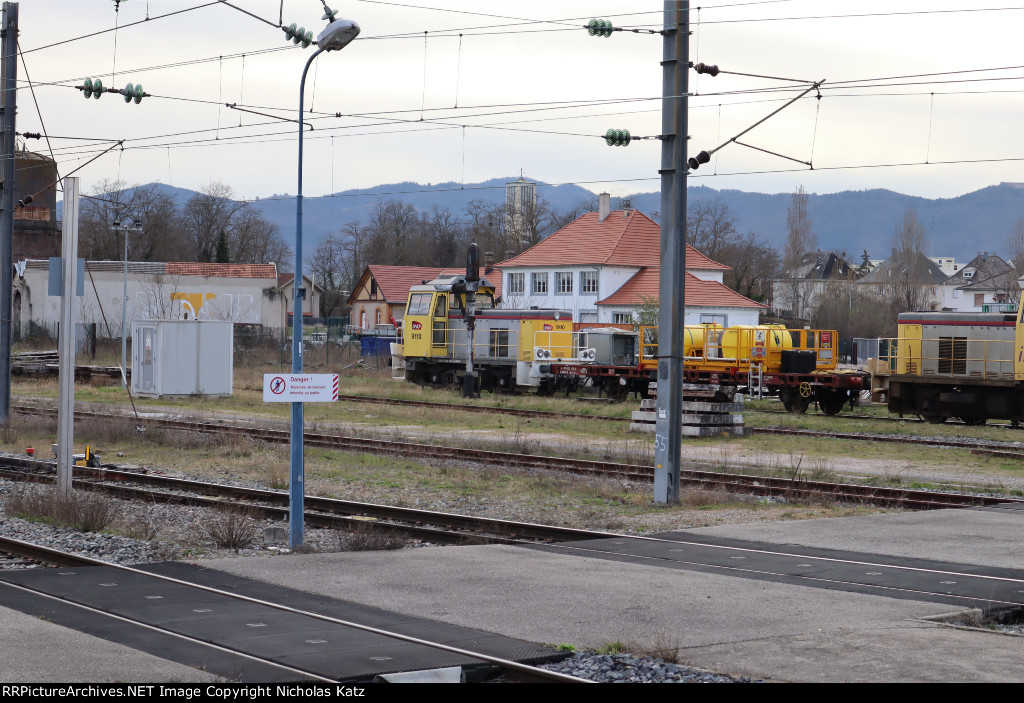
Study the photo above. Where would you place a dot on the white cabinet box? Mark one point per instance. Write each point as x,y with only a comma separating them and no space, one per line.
182,357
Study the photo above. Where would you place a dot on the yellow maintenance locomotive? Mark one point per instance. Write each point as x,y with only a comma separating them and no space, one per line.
510,348
955,365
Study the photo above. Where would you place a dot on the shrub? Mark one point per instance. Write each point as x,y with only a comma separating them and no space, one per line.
232,528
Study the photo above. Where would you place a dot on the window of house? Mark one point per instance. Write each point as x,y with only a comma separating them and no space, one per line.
956,293
516,283
711,319
979,299
622,318
539,283
373,287
563,282
588,282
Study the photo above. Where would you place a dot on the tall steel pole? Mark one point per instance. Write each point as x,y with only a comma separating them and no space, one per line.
297,483
672,308
66,338
124,317
9,68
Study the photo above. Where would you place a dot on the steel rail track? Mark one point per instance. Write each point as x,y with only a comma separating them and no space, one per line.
74,560
518,460
521,412
886,497
736,483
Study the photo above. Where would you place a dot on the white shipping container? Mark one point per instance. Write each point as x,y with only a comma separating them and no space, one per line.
182,357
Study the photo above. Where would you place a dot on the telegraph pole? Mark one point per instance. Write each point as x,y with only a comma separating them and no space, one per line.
675,70
9,68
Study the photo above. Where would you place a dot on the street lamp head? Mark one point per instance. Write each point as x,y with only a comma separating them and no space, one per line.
337,35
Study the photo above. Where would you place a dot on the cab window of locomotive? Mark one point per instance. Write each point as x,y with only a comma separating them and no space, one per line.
484,302
419,304
441,310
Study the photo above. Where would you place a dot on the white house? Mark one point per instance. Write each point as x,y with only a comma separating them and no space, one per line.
986,284
605,264
248,294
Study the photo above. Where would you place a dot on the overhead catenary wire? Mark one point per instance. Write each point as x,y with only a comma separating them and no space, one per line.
463,126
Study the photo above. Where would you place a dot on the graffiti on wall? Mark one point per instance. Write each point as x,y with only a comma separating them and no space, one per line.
196,306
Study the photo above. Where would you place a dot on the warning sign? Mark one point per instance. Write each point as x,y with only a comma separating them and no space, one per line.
300,388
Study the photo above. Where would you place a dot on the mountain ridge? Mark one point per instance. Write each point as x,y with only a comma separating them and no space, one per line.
847,222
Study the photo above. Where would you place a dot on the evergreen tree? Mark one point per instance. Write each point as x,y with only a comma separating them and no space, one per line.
222,256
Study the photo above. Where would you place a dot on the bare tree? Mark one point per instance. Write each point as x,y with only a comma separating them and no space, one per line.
572,213
444,240
710,228
255,240
800,240
327,263
907,285
1015,250
205,215
851,312
393,227
146,216
800,236
1015,244
754,265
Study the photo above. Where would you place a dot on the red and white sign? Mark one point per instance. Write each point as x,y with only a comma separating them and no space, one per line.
548,328
300,388
826,339
416,325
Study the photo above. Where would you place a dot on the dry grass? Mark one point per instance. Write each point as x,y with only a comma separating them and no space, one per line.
86,512
276,476
665,647
365,538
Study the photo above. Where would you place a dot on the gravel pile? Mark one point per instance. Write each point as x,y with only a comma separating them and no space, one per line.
627,668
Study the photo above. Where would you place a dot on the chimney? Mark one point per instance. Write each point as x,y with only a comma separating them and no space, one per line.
488,261
604,206
509,253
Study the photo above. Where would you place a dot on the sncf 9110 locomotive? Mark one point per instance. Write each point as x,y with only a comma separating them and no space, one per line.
510,348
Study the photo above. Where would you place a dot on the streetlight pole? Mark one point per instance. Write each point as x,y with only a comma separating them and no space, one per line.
136,227
336,36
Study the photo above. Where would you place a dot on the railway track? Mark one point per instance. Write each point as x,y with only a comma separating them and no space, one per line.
965,444
523,412
789,488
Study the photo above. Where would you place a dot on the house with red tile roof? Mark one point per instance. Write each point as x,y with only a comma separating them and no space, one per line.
248,294
383,291
606,264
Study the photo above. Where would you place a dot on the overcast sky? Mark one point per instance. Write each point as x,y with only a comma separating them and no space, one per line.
508,69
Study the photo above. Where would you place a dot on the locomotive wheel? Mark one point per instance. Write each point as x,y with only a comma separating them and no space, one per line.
973,421
615,390
793,402
933,419
831,402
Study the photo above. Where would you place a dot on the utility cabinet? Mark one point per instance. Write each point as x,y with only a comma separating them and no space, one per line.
182,357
